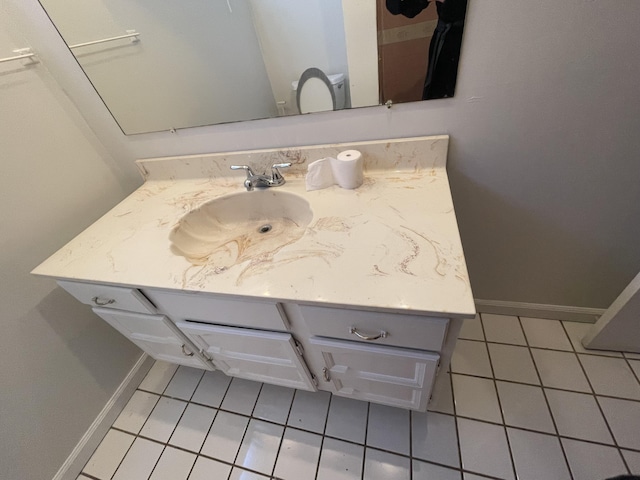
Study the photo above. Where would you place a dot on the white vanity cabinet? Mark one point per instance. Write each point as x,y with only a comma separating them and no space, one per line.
364,300
382,357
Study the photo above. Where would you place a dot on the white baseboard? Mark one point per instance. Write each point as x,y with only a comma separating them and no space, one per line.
538,310
72,466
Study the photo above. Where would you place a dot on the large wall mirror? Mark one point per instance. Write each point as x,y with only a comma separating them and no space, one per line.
177,64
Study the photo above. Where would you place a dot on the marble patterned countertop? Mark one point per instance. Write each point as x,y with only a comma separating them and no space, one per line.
392,244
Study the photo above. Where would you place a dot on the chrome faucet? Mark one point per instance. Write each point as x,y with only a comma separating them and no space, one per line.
263,180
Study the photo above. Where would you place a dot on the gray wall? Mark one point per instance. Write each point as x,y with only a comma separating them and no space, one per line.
59,362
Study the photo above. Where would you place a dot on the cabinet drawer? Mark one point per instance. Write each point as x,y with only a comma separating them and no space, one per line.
424,333
107,296
222,311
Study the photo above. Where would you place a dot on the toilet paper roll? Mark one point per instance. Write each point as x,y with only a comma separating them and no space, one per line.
348,169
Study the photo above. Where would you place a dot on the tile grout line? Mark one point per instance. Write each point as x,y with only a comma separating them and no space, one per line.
455,416
324,431
542,348
180,418
215,415
546,399
155,405
633,372
235,458
364,450
284,431
189,403
245,430
164,449
88,476
495,388
137,434
167,385
481,475
177,423
453,398
546,387
121,460
606,420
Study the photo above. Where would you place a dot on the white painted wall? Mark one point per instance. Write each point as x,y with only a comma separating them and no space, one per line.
619,327
60,363
297,35
361,40
197,62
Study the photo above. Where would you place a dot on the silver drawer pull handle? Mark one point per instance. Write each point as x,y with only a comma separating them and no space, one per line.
325,374
382,334
185,353
102,303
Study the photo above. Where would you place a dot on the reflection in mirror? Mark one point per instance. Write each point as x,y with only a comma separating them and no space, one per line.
170,65
419,48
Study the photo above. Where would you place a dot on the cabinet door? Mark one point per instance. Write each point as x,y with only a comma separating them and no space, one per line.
155,335
392,376
269,357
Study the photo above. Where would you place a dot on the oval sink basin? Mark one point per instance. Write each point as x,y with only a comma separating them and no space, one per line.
235,228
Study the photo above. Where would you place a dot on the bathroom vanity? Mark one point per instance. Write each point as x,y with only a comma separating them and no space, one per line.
361,293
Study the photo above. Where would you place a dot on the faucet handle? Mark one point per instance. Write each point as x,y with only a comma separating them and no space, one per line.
243,167
276,176
281,165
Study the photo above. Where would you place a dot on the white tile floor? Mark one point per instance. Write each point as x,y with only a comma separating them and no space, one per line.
526,402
